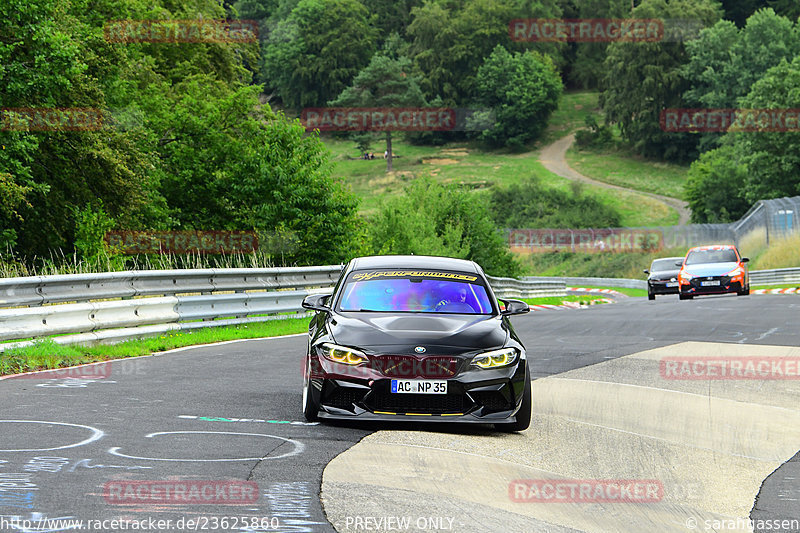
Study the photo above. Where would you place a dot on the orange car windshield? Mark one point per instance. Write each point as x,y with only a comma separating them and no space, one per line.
700,257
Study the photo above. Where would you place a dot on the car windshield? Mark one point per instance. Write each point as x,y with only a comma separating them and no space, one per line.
415,292
659,265
699,257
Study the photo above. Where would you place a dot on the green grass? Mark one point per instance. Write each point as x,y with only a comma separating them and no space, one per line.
558,300
571,114
623,290
47,354
623,168
784,286
601,265
469,165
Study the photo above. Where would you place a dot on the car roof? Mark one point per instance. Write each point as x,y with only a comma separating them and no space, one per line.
414,261
668,259
713,247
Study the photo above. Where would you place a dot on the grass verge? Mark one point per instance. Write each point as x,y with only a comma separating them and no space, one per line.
558,300
623,168
47,354
623,290
471,166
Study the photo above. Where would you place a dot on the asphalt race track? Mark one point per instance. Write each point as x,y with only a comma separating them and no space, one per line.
145,438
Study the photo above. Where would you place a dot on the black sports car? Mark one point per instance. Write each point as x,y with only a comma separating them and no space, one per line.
662,278
415,338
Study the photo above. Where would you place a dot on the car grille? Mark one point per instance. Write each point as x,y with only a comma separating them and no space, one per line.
723,282
410,367
491,400
419,403
344,397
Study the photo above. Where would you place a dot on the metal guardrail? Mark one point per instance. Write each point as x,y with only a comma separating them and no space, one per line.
115,306
778,276
595,282
527,287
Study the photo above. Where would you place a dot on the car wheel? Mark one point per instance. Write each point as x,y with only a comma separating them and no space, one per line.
310,405
651,296
685,296
744,292
524,414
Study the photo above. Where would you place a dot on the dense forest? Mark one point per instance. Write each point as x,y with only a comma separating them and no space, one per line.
204,135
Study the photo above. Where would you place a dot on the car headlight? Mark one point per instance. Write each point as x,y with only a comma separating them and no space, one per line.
736,272
685,276
342,354
496,358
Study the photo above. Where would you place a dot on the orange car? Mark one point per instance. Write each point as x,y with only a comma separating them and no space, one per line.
717,269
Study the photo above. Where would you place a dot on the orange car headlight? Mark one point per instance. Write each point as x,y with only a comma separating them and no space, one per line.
737,272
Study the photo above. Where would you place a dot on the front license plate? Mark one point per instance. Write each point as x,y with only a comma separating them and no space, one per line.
709,283
418,386
672,284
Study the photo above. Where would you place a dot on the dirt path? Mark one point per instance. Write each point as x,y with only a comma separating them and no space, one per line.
553,157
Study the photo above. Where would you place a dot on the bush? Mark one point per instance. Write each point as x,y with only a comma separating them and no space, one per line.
533,205
523,90
436,219
596,136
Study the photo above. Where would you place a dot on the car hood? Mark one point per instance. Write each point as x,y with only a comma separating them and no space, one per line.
402,333
664,274
710,269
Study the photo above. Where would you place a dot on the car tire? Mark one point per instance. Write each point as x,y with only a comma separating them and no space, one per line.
651,296
524,414
745,292
310,404
685,296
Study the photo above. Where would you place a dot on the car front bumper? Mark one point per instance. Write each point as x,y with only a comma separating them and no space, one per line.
473,395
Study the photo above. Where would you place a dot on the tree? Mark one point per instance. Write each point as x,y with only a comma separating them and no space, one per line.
751,165
724,61
435,219
313,54
642,78
391,16
772,159
585,64
232,165
386,83
523,90
450,40
53,57
715,186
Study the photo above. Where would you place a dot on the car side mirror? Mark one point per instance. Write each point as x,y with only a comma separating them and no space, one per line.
317,302
646,271
514,307
745,259
678,263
